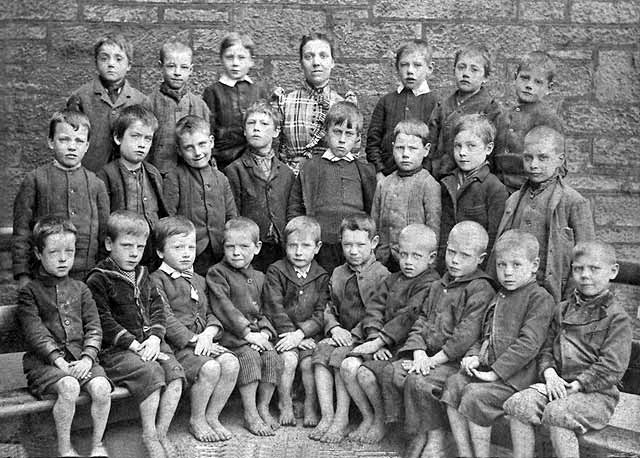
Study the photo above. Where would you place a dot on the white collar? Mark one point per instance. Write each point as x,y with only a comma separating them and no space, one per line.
333,158
422,89
173,273
227,81
302,273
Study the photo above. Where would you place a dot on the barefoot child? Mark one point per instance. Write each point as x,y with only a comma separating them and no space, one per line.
62,360
390,313
580,367
235,295
192,328
351,286
503,362
296,292
132,313
448,324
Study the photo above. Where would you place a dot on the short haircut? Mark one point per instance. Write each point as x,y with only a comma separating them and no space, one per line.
538,60
174,45
605,251
234,38
50,225
118,40
304,224
548,133
471,231
479,124
168,227
129,115
191,124
75,119
342,112
244,225
475,49
126,222
421,233
264,107
359,222
413,127
417,46
517,239
316,36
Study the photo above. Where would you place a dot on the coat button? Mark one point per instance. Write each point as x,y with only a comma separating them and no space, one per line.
250,280
66,322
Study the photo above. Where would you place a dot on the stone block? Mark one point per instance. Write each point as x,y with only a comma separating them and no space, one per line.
605,12
584,116
621,152
53,10
618,210
22,31
595,182
545,10
195,15
350,13
364,77
112,13
15,51
578,153
572,36
365,40
445,9
618,76
573,77
614,234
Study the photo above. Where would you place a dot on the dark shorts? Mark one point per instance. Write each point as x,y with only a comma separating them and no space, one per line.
192,363
376,366
328,355
41,377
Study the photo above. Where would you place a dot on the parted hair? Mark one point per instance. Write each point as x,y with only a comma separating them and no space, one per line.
475,49
304,224
48,226
479,124
344,112
118,40
126,222
316,36
359,222
168,227
131,114
75,119
605,251
235,38
413,127
264,107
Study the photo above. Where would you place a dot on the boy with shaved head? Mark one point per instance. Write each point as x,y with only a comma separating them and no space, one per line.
547,207
448,325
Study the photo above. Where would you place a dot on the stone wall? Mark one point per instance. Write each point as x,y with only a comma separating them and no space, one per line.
47,51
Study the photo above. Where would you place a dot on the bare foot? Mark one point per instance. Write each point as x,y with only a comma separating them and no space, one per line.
286,415
256,426
311,417
169,449
375,433
99,450
202,431
416,446
68,452
335,433
362,429
223,433
153,447
321,429
268,419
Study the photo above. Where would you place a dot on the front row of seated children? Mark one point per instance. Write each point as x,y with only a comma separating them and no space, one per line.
392,343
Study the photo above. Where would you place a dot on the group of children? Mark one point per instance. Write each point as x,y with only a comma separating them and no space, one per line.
433,285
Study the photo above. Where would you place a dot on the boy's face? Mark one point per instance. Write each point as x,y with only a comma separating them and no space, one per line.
469,73
237,61
414,256
179,251
195,148
409,152
176,69
414,69
126,250
112,63
317,62
532,85
357,247
341,139
470,151
135,143
69,145
462,256
239,248
301,248
540,158
58,254
260,131
514,268
592,273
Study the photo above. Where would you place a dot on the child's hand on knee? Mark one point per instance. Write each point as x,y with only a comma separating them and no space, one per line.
258,339
81,369
422,364
341,336
150,348
382,355
470,363
485,376
307,344
289,340
204,344
369,347
556,385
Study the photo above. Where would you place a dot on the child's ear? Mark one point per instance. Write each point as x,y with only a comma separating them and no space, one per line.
427,149
276,131
212,140
50,142
490,146
481,257
108,243
258,247
318,245
160,64
615,268
160,254
432,256
117,140
430,67
374,242
39,255
535,264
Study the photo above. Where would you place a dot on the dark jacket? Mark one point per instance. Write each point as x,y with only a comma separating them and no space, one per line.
128,311
236,300
264,201
77,195
450,318
58,315
389,111
442,122
186,316
293,303
517,328
589,342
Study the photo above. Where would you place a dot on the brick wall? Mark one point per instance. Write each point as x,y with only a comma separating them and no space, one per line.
47,51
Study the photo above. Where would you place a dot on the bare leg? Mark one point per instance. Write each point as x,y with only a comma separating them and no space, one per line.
338,428
523,438
99,389
480,438
310,396
148,410
324,386
417,445
369,383
229,367
460,430
166,409
265,393
252,420
285,402
435,447
565,442
349,373
201,392
68,390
